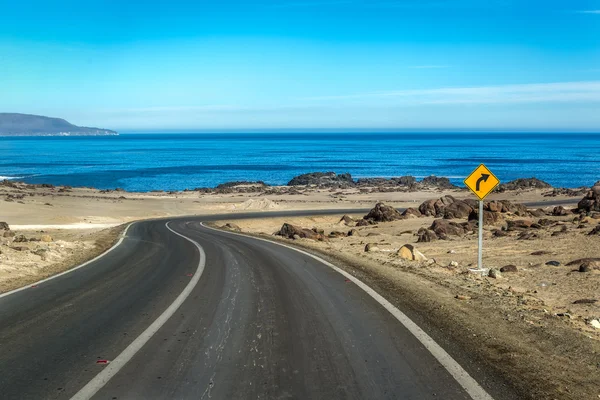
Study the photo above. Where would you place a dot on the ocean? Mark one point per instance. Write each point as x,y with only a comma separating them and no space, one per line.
144,162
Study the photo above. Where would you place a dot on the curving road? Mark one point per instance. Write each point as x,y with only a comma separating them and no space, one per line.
248,319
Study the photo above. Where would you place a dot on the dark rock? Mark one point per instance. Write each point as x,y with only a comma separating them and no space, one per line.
595,231
589,265
524,183
20,239
527,235
458,209
517,225
509,268
553,263
362,222
444,228
336,234
489,217
500,233
4,226
585,268
435,208
540,253
545,222
289,231
383,213
560,211
438,182
426,235
582,261
591,201
323,179
585,301
353,232
537,213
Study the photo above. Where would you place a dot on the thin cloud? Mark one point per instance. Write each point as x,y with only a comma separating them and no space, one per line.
522,93
429,66
590,12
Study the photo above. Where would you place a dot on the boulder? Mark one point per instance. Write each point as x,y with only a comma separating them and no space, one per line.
427,208
4,226
444,228
489,217
518,225
435,208
20,239
589,266
383,213
560,211
411,213
458,209
371,247
353,232
426,235
362,222
553,263
290,231
46,238
409,252
509,268
591,201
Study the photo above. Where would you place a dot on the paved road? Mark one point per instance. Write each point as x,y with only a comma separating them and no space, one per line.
263,321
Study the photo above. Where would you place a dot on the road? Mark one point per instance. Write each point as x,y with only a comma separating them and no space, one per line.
255,320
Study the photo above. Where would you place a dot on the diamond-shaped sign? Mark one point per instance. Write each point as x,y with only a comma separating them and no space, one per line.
481,182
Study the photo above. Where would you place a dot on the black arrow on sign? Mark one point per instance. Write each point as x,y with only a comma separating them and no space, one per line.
484,177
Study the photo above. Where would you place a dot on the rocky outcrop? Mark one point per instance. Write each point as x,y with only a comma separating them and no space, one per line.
458,209
524,184
560,211
347,220
292,232
489,217
437,182
435,208
426,235
4,226
323,179
444,228
591,201
383,213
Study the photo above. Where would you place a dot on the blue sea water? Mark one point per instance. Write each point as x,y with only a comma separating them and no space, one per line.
143,162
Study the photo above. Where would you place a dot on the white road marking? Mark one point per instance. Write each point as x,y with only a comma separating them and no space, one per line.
72,269
458,373
119,362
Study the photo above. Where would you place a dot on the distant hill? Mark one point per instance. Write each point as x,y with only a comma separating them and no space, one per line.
37,125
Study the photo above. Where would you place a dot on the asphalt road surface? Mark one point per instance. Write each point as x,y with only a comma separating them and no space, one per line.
249,320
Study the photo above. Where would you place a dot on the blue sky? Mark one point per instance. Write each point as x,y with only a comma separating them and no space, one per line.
304,64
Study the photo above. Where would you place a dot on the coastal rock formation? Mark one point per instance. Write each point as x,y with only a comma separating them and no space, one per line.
383,213
411,213
426,235
458,209
444,228
291,232
323,179
438,182
591,201
524,183
435,208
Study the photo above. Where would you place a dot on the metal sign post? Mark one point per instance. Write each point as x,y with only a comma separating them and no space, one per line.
480,247
481,182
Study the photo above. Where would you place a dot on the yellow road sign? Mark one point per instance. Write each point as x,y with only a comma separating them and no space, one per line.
481,182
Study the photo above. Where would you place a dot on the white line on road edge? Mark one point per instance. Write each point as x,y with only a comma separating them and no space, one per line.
123,234
119,362
460,375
